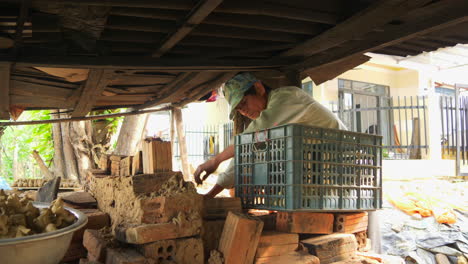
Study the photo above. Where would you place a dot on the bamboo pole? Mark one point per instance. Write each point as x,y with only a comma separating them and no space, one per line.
73,119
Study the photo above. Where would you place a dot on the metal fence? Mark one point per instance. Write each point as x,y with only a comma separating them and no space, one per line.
202,143
402,121
449,127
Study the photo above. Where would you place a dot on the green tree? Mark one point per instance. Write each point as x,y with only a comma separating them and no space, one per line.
23,140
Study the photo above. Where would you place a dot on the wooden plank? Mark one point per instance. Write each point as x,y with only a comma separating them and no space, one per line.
379,13
303,222
239,239
443,14
5,91
91,91
18,87
177,113
195,17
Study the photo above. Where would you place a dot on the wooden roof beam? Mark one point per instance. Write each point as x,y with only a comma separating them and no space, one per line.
195,17
180,80
265,8
5,90
91,91
443,14
371,18
147,63
22,17
203,89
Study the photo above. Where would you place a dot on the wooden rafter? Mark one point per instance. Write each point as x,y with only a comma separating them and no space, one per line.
268,9
378,14
195,17
5,90
91,91
443,14
22,17
201,90
170,88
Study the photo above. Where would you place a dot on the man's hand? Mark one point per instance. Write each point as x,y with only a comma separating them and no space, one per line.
207,167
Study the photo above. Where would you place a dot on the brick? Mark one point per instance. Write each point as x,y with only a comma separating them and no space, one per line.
96,220
124,256
269,221
239,239
218,208
271,238
304,223
122,197
74,252
137,164
210,234
350,223
96,245
332,248
126,166
157,156
182,250
159,250
185,226
88,261
275,250
163,208
104,162
189,250
292,258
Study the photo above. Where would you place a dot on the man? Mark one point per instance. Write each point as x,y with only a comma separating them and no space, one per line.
267,108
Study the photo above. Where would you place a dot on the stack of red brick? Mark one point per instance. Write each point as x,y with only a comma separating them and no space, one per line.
298,237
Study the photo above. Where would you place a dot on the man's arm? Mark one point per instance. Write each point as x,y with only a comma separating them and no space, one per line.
211,165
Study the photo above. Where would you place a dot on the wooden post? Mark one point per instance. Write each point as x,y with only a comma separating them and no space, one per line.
5,91
415,151
42,165
177,113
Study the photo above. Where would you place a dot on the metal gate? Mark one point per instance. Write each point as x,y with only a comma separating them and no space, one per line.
461,128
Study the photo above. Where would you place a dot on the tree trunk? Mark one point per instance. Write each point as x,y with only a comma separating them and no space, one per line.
71,167
82,146
130,135
59,162
16,164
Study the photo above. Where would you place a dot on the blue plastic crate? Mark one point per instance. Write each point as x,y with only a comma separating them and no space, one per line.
295,167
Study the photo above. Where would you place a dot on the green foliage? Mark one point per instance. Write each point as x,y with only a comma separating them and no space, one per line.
25,139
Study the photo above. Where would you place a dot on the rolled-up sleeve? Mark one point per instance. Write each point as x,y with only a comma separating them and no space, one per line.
226,178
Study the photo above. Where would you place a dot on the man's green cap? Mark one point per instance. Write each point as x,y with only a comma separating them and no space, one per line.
235,88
